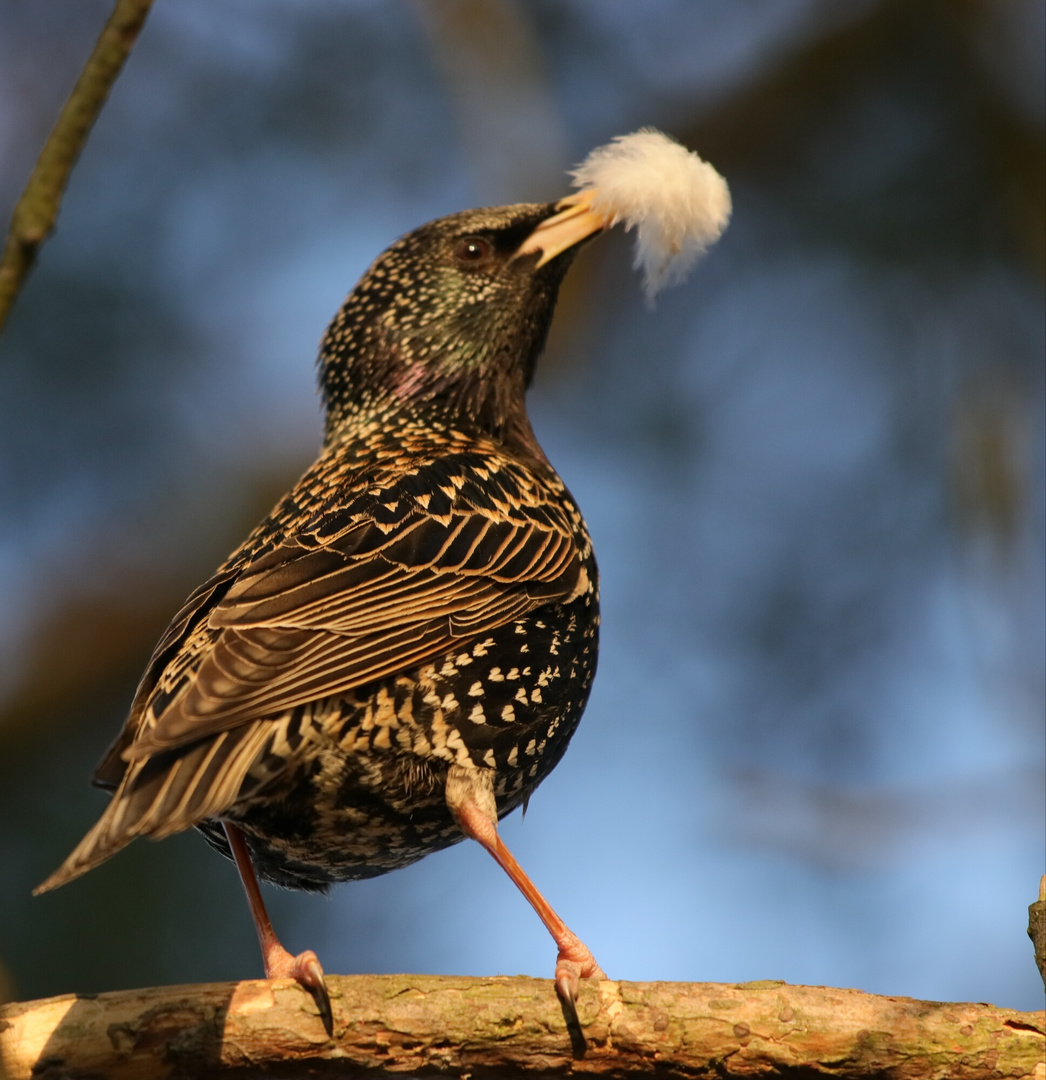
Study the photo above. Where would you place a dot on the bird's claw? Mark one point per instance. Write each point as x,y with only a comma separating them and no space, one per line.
308,970
572,965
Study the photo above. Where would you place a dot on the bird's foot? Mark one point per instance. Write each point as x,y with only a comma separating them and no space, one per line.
307,971
574,963
305,968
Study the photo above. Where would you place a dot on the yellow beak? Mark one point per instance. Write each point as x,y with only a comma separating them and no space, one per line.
570,226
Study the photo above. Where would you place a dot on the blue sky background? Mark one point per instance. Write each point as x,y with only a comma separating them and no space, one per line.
814,474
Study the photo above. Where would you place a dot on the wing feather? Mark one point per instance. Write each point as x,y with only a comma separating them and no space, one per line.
334,607
168,793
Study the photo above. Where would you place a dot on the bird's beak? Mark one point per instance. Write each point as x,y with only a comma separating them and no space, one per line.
574,222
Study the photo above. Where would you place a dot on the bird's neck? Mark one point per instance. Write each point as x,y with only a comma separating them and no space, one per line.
357,422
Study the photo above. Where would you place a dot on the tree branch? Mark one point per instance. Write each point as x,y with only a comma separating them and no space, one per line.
391,1025
37,210
1037,928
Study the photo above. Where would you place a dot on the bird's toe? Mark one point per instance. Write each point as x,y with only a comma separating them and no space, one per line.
308,971
573,964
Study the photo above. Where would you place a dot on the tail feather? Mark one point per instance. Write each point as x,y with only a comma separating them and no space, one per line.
168,793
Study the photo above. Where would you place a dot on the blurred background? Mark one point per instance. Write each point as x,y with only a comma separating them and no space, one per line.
814,474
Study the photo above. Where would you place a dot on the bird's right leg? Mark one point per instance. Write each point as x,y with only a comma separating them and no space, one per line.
279,963
470,796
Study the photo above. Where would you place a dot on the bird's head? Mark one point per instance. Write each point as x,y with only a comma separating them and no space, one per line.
448,323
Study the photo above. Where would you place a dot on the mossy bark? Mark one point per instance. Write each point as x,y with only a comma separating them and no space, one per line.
395,1025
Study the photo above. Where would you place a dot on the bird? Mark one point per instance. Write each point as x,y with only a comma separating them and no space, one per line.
399,653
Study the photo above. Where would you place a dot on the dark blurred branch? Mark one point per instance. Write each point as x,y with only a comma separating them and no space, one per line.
769,123
86,645
490,60
37,210
392,1025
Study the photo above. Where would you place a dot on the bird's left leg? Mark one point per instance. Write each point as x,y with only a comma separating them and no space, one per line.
279,963
470,796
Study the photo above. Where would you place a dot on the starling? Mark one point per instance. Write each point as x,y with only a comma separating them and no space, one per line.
400,652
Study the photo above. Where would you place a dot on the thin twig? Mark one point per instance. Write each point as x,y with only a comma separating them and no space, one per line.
37,210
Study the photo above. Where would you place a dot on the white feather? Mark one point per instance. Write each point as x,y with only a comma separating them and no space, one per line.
678,203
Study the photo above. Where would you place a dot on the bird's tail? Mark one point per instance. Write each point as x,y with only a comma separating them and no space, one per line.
168,793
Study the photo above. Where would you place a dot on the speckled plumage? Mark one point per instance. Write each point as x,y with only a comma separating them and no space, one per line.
425,597
367,794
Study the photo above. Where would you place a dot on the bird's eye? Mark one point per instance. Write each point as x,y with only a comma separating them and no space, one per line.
472,250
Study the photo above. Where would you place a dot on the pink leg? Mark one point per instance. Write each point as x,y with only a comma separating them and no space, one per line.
575,961
279,964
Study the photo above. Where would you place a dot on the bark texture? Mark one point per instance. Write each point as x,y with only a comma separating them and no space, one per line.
415,1025
1037,928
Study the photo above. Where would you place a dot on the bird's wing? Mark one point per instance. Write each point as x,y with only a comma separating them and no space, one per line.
169,651
397,577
